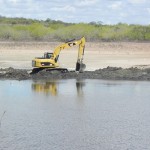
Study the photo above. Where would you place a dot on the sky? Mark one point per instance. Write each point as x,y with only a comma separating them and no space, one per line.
75,11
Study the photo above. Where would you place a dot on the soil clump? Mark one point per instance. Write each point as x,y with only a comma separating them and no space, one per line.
109,73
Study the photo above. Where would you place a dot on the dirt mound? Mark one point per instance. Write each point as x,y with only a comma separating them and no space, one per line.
123,74
16,74
109,73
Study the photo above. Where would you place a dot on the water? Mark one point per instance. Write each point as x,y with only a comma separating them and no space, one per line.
75,115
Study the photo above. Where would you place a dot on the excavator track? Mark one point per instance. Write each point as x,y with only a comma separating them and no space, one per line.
37,70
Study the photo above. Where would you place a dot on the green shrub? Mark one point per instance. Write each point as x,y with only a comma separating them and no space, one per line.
21,29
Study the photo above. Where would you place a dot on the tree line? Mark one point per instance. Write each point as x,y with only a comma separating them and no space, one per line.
22,29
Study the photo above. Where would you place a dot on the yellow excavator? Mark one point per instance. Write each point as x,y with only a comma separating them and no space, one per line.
50,60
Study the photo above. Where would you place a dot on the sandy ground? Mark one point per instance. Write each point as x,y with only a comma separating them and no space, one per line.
97,55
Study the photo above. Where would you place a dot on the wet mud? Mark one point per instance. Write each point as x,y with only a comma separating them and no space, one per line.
109,73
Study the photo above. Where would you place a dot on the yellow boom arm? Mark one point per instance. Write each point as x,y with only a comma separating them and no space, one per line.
80,42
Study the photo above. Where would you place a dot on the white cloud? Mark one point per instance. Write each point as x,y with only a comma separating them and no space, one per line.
1,1
66,8
116,5
123,15
108,11
13,1
137,1
148,9
86,2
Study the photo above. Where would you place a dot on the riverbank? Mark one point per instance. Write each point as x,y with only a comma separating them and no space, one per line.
19,55
128,60
109,73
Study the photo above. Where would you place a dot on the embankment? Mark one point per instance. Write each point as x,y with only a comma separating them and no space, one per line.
109,73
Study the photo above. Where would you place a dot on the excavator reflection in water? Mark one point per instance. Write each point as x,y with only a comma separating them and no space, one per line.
51,87
47,88
79,86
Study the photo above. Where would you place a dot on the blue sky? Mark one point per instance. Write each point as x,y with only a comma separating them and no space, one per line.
107,11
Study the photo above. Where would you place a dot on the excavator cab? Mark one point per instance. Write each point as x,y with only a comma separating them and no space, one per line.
48,55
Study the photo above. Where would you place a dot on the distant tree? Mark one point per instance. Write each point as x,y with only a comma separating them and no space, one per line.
99,23
48,20
92,23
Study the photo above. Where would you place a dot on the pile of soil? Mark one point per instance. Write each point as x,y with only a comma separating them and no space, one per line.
109,73
16,74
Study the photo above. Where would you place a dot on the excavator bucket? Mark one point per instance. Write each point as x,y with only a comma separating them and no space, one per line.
80,67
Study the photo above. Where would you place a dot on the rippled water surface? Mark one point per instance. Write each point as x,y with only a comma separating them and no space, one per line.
74,115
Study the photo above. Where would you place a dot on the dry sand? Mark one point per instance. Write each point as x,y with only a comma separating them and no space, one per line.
97,55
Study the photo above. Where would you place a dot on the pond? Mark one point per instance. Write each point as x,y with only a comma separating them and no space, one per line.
74,115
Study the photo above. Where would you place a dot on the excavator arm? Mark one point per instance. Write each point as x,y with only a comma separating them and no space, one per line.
81,42
61,47
79,65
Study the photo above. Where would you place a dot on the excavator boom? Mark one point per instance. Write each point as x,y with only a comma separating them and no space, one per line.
79,65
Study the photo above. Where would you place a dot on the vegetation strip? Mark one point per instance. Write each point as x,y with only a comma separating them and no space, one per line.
21,29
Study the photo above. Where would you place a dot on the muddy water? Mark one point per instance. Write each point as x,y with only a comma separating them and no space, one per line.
74,115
